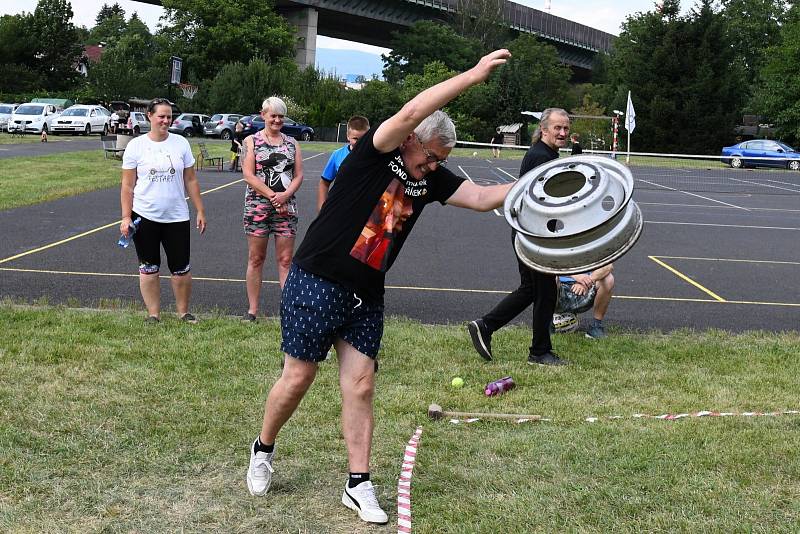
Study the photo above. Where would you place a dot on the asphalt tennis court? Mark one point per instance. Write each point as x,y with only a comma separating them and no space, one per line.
709,257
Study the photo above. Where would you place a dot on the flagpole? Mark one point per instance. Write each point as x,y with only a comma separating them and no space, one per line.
628,157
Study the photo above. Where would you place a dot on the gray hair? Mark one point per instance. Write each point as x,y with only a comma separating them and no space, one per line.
544,122
437,125
275,104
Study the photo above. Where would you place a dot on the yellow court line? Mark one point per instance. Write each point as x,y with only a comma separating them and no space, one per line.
410,288
89,232
687,279
95,230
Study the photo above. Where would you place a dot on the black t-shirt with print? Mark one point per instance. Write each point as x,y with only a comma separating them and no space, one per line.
368,215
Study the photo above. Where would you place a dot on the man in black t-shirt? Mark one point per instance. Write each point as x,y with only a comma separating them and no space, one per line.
535,287
333,294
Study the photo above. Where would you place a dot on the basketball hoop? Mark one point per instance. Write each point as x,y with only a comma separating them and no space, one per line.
188,90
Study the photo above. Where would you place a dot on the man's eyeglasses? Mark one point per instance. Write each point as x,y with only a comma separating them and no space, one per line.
432,158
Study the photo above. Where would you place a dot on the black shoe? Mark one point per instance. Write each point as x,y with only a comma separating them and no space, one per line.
248,317
548,358
481,338
189,318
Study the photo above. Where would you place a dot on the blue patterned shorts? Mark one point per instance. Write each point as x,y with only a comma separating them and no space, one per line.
315,311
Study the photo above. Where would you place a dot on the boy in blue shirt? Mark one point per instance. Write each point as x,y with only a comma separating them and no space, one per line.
357,126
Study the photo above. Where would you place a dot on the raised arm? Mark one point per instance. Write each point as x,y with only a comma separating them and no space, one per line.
392,132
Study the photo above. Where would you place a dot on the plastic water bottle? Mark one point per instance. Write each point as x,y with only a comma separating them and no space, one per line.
499,386
125,241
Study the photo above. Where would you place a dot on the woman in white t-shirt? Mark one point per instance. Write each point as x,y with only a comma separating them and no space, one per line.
157,174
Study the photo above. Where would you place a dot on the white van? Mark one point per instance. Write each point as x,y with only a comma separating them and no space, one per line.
32,117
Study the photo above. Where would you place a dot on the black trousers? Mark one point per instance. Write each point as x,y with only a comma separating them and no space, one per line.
534,288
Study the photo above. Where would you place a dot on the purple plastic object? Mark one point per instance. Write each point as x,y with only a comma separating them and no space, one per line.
499,386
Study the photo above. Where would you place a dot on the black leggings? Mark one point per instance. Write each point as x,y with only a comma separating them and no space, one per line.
534,288
174,237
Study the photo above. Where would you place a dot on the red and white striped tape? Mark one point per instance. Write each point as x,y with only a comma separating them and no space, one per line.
404,484
665,417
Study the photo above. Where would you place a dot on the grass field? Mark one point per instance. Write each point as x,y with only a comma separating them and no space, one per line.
108,425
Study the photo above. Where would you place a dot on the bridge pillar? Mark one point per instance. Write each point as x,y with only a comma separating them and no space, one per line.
305,20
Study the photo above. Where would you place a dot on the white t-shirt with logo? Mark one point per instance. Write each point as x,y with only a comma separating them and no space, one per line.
159,194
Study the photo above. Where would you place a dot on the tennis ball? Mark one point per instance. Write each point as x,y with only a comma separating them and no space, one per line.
474,154
457,382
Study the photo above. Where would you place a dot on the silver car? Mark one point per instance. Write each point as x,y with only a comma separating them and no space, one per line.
5,113
221,125
138,123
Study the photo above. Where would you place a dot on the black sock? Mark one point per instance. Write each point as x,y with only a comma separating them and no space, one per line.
260,447
356,479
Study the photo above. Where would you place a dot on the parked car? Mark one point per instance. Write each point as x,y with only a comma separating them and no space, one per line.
188,124
297,130
5,113
251,124
254,123
138,123
82,119
761,153
221,125
32,117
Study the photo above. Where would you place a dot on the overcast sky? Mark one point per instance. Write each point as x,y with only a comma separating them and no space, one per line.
606,15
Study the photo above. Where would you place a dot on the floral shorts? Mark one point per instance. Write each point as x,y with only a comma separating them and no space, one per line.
261,219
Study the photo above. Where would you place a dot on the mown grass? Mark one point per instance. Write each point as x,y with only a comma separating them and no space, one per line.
108,425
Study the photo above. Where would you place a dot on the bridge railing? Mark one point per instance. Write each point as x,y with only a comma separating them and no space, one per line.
530,20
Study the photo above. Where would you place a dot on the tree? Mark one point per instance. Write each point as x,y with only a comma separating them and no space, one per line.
377,100
753,26
433,73
778,90
18,54
533,80
482,21
125,69
428,41
207,34
595,133
109,25
685,83
57,50
244,86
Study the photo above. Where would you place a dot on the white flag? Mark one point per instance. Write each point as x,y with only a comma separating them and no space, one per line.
630,115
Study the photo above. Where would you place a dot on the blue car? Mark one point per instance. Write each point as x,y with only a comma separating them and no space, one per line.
761,153
254,123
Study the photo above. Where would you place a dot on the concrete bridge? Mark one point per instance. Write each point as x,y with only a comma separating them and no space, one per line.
373,21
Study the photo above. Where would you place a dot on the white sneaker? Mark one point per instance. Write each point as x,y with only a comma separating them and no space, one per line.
362,499
259,474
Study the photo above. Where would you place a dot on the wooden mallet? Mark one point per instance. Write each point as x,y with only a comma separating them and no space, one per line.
435,412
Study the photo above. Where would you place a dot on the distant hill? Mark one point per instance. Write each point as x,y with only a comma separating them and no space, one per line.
345,62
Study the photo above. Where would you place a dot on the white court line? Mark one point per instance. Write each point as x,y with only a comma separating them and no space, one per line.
763,184
783,183
506,172
707,206
693,194
473,181
724,225
314,156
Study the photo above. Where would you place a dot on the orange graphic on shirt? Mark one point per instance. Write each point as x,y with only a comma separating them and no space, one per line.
375,243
